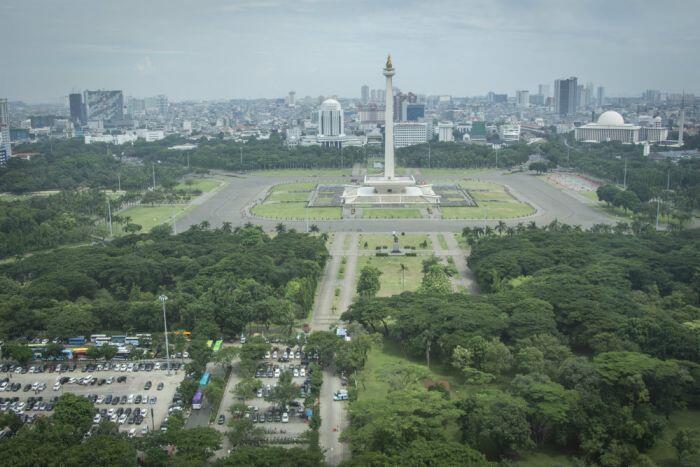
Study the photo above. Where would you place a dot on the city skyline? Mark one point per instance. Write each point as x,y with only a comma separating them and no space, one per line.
195,53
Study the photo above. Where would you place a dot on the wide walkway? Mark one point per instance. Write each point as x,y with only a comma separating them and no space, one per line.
333,414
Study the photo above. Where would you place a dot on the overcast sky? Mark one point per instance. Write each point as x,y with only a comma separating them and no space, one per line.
211,49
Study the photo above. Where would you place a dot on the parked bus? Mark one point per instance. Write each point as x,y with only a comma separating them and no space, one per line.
210,343
204,380
197,400
94,337
217,345
77,340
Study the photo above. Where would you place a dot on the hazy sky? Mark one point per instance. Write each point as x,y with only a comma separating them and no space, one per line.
208,49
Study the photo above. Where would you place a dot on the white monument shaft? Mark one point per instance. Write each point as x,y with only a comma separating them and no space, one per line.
389,124
388,189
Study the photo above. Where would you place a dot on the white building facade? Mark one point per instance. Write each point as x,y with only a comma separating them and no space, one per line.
445,131
411,133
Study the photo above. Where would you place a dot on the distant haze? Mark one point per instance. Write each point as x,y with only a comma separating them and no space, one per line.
211,49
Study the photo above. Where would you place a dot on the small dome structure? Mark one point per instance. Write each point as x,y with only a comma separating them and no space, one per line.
611,118
330,104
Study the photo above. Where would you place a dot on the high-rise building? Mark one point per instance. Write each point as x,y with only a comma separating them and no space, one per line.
522,98
107,106
364,94
414,112
5,147
652,96
590,96
446,131
162,101
601,95
565,96
411,133
331,127
543,90
77,109
292,99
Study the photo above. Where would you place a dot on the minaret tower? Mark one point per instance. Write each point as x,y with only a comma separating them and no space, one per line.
389,122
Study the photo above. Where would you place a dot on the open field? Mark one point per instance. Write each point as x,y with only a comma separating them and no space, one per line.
451,173
204,185
296,211
494,203
387,240
288,201
391,213
302,173
150,216
391,278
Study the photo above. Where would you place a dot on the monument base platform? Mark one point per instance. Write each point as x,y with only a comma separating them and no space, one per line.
392,194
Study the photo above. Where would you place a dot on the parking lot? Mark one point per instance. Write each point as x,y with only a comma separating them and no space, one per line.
100,385
279,423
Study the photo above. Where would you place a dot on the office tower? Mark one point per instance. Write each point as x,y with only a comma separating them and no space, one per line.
522,98
681,123
292,98
330,119
5,147
107,106
414,112
580,96
364,94
601,95
77,109
162,103
652,96
543,90
411,133
445,131
590,96
565,96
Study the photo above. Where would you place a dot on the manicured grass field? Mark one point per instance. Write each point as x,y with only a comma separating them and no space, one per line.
494,203
202,184
391,278
302,172
150,216
387,240
295,211
450,172
284,197
288,201
592,195
389,213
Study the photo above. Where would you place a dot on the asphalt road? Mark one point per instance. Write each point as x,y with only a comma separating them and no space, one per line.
229,203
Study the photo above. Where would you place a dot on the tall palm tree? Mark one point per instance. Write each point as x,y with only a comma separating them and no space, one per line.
280,228
403,275
501,227
532,225
204,225
227,227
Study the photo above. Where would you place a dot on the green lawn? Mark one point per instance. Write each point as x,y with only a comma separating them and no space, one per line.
284,197
389,213
150,216
493,200
294,187
391,278
450,172
303,172
202,184
295,211
387,240
591,195
442,242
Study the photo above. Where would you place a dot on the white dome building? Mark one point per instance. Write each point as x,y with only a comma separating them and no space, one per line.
609,127
330,119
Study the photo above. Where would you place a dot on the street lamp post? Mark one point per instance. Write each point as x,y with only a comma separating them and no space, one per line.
163,299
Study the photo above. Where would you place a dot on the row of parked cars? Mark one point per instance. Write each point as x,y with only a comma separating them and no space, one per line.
13,404
121,415
116,399
89,367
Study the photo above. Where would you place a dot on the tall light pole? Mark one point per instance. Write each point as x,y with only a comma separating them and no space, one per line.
153,166
109,213
163,299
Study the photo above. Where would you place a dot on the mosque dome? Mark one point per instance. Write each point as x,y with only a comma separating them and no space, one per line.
611,118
